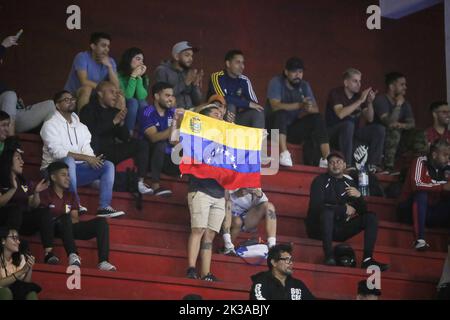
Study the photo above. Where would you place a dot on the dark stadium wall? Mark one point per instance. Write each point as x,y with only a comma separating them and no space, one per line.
329,35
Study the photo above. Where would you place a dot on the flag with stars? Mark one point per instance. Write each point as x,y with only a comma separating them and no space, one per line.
225,152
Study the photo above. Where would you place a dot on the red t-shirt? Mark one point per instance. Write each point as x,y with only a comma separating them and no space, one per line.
433,135
58,206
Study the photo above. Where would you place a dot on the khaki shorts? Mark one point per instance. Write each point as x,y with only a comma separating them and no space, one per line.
206,211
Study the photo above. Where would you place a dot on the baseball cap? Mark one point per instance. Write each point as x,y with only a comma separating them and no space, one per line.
217,97
294,63
181,46
335,154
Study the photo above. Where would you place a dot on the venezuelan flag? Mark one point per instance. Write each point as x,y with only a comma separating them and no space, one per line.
214,149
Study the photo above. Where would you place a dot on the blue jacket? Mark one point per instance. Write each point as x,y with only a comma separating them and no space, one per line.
237,91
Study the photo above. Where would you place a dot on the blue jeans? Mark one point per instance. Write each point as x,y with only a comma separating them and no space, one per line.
133,106
82,174
437,216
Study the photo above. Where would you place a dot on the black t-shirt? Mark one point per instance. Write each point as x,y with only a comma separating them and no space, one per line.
383,105
209,186
338,96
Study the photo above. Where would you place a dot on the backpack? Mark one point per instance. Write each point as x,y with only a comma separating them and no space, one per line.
126,180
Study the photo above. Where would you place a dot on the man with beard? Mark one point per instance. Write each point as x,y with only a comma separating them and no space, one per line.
296,114
155,124
441,120
90,68
105,118
395,113
237,89
185,81
67,139
426,191
278,283
337,212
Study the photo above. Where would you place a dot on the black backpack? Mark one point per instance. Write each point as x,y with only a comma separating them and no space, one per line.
344,255
127,181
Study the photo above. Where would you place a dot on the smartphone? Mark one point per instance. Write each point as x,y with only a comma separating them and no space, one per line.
19,34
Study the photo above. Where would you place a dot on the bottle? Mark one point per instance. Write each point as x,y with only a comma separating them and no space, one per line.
363,181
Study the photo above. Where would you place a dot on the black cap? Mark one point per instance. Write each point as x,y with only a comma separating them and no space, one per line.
335,154
294,63
364,290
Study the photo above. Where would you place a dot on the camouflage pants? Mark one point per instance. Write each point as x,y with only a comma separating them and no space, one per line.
399,141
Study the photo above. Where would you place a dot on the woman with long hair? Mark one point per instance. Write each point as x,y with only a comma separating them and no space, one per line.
134,83
20,201
15,269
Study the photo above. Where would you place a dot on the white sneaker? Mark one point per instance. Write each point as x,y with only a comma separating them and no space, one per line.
74,260
285,159
144,189
82,210
421,245
106,266
323,163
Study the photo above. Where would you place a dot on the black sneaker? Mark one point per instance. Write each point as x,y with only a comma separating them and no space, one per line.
82,210
109,212
191,273
373,262
330,262
162,192
50,258
210,277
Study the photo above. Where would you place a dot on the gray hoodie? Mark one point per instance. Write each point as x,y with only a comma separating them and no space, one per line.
187,96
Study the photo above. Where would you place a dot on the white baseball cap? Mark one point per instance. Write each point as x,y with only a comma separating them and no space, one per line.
181,46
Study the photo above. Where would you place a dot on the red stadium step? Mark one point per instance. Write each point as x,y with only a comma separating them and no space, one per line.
289,224
132,232
130,286
142,260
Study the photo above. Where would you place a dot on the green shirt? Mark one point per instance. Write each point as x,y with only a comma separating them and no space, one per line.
2,147
134,87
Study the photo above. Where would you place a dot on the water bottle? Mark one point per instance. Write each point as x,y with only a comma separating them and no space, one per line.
363,181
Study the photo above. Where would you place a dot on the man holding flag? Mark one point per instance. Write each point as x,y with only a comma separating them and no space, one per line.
218,156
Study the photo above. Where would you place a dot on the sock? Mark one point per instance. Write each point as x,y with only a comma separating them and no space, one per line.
272,241
227,241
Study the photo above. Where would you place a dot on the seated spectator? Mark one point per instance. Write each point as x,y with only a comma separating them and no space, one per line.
134,84
155,124
364,293
295,113
248,208
441,121
22,118
4,129
66,138
16,269
206,200
278,283
178,72
91,67
64,209
345,108
238,91
426,194
395,113
337,211
105,118
221,103
20,200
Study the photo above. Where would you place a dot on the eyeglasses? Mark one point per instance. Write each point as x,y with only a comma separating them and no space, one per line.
67,100
14,237
287,259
